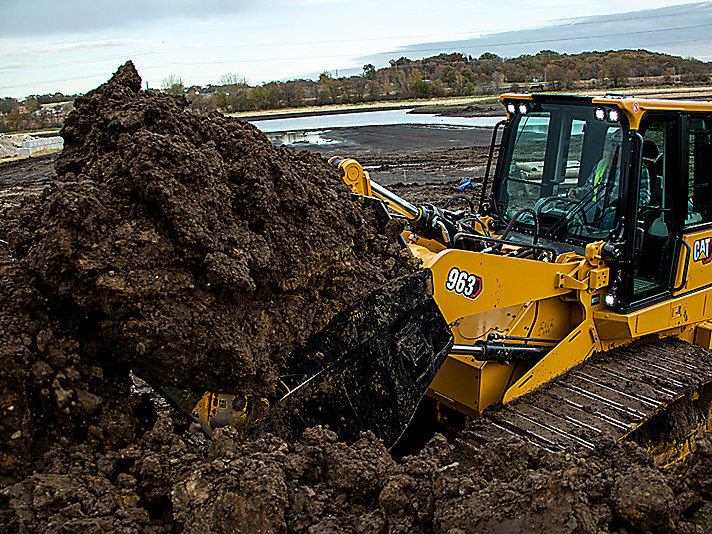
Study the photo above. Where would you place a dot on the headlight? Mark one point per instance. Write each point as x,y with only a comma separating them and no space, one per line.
600,114
610,299
613,115
511,108
523,109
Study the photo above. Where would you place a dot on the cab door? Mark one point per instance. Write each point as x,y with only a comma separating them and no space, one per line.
654,240
695,259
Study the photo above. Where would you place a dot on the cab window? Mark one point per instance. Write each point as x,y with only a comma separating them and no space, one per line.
699,167
562,164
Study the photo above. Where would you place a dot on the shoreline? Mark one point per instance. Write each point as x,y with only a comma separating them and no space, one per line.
337,109
485,101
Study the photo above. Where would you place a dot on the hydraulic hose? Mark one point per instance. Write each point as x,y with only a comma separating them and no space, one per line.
514,220
460,197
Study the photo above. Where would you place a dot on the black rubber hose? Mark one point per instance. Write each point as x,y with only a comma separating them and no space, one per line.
482,224
514,220
460,197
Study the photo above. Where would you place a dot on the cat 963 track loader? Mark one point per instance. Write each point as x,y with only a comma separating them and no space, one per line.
574,302
597,232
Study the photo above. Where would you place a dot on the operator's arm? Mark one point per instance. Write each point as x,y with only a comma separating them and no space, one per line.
644,198
581,190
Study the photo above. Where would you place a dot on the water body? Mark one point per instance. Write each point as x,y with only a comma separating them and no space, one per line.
371,118
310,137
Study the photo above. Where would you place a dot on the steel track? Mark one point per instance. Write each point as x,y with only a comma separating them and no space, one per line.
608,396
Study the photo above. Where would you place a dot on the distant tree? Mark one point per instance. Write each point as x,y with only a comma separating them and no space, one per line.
437,72
369,72
445,73
232,79
329,90
31,104
259,97
570,79
221,101
8,105
553,75
449,75
173,85
483,83
14,121
53,98
233,93
358,85
488,63
422,89
293,94
618,70
382,84
498,79
438,89
275,95
198,102
400,79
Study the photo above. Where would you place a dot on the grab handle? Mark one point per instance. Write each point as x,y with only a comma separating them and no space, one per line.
687,266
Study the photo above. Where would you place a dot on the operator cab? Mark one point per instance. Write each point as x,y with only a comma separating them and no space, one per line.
573,170
561,162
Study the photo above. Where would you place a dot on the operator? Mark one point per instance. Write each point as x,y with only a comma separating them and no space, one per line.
600,176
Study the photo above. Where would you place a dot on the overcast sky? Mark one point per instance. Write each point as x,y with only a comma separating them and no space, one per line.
48,46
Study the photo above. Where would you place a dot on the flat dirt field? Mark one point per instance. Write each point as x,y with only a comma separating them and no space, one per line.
190,251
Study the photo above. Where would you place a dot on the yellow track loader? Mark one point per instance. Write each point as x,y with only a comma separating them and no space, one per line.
596,233
593,233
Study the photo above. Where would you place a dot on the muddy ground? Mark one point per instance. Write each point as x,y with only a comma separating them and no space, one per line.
426,154
82,453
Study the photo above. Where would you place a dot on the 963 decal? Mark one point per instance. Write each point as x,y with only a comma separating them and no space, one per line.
463,283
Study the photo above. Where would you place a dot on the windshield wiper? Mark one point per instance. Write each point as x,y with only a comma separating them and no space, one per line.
585,202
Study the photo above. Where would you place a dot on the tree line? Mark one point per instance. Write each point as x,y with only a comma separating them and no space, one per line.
446,74
451,74
34,112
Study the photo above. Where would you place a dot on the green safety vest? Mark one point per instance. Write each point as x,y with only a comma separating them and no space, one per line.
597,177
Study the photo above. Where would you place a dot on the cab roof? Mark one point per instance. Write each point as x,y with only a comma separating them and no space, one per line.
634,107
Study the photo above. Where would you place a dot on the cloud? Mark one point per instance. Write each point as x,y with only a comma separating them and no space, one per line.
45,48
28,50
46,17
682,29
15,66
323,2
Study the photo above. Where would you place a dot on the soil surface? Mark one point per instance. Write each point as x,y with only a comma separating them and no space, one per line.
425,154
182,246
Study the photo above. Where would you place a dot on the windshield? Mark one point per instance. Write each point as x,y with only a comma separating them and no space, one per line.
562,162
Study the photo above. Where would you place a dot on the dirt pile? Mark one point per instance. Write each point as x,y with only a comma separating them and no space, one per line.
186,248
200,253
